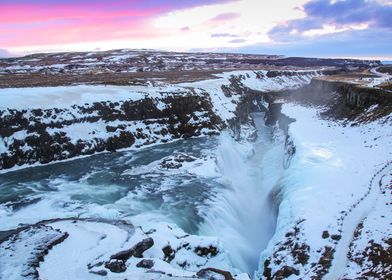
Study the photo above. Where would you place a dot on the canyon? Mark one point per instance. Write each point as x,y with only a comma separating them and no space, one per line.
154,165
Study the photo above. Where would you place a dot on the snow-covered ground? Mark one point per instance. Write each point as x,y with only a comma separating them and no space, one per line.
66,96
382,78
327,191
88,249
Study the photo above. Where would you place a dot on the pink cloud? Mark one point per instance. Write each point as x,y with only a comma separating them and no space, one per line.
32,25
49,22
225,17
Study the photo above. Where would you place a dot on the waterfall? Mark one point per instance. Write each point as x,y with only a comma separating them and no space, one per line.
242,215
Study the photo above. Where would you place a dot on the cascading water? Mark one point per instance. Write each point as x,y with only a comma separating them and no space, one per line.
242,215
233,205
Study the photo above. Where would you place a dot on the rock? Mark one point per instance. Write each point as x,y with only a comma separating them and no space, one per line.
136,251
99,272
116,266
40,146
205,251
336,237
24,248
123,255
175,161
325,234
285,272
167,164
326,257
142,246
145,264
214,274
169,253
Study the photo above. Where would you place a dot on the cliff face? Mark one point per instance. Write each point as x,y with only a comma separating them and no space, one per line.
344,100
55,134
38,128
321,148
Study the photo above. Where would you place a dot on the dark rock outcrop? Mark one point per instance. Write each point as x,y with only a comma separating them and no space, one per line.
214,274
169,253
136,251
345,100
37,240
206,251
116,266
145,264
47,139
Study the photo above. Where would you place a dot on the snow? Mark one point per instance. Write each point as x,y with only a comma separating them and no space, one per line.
329,173
328,177
66,96
19,266
376,228
278,83
356,214
382,78
326,148
71,103
91,243
225,107
85,243
203,167
222,105
61,97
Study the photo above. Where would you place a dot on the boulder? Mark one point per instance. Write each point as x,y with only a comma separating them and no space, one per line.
136,251
116,266
145,263
214,274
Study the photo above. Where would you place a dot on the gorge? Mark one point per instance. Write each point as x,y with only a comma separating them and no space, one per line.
262,174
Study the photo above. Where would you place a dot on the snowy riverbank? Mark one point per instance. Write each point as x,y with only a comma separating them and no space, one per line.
42,125
326,193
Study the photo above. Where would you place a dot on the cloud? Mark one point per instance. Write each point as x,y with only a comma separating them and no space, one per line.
351,12
357,44
295,27
217,35
225,17
325,16
49,22
237,41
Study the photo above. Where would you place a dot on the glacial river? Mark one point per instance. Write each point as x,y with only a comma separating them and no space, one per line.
225,192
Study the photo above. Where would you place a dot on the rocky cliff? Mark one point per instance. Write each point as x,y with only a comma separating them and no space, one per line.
45,135
42,131
345,100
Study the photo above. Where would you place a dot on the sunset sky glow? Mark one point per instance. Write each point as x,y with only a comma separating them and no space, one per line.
350,28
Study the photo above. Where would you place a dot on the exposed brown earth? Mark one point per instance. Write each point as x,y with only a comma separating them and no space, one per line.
44,80
125,67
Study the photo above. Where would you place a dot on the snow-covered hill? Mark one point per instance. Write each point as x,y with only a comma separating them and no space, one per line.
131,61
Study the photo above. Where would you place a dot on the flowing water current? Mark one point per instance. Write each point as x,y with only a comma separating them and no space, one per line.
225,192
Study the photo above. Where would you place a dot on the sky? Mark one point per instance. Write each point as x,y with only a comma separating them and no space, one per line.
316,28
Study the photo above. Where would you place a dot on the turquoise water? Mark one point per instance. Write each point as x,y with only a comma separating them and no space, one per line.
100,186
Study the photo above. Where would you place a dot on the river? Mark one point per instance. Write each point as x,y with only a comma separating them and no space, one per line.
224,192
